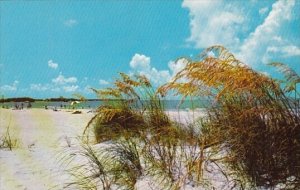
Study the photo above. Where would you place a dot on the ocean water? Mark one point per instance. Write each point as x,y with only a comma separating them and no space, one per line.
167,104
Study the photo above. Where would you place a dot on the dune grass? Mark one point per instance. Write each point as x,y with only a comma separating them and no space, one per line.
7,141
249,137
92,173
130,108
250,117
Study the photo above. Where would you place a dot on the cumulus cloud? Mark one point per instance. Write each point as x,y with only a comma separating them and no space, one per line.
61,80
53,88
70,22
287,51
39,87
213,22
70,88
141,64
282,51
140,61
52,65
257,43
103,82
59,84
11,87
176,66
229,24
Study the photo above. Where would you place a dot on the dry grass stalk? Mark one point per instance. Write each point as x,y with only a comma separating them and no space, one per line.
250,134
251,117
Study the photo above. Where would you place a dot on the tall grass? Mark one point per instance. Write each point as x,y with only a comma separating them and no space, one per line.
249,137
166,150
130,107
250,117
6,141
92,173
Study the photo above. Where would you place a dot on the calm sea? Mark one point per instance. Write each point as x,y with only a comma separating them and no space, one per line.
168,104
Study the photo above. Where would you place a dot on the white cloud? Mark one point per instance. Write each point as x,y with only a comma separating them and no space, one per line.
60,80
141,64
287,51
60,83
257,43
280,51
39,87
229,24
277,39
140,61
71,22
12,87
53,88
103,82
213,22
291,50
52,65
44,87
176,66
71,88
262,11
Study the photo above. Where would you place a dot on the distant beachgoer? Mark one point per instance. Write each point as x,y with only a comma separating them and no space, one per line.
46,107
22,106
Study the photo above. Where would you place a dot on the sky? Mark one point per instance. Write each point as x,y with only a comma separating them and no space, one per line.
60,48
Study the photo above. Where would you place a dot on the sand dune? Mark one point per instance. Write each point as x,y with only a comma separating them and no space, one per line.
43,137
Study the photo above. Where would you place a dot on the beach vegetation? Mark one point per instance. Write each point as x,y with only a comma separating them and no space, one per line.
92,173
7,141
249,136
251,117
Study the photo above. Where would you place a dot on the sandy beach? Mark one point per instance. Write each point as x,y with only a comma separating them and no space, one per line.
42,137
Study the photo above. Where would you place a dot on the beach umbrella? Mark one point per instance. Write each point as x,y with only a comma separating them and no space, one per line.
74,103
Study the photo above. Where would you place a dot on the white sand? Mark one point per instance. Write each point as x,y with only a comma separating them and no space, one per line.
43,137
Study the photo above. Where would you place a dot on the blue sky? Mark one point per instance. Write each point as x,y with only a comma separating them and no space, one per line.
58,48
